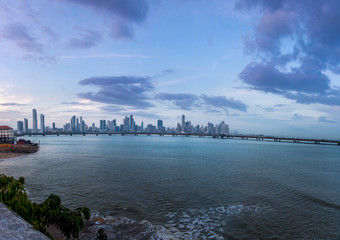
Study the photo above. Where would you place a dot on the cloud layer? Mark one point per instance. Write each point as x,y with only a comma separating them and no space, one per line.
124,14
296,42
139,92
123,90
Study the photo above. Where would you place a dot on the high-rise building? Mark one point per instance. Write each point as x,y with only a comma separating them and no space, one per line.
81,125
20,127
183,123
53,126
73,124
25,125
210,128
126,123
223,128
35,120
42,123
102,126
160,125
132,124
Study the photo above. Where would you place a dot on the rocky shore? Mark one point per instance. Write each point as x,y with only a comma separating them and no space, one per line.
11,150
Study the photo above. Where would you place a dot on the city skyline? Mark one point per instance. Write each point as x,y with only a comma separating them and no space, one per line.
264,67
128,124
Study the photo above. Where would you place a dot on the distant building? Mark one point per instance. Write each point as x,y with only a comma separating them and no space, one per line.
25,125
73,124
42,123
35,120
126,123
102,126
53,126
160,127
183,123
132,124
20,126
6,134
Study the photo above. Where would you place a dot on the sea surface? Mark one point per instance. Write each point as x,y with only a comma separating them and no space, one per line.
192,188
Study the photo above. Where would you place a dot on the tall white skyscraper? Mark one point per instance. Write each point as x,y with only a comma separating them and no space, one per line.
183,123
35,121
42,123
25,125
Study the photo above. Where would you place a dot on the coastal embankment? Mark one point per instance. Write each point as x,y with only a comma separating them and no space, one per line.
15,150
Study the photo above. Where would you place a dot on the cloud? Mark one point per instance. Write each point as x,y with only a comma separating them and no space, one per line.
182,100
12,104
190,101
22,37
123,90
148,115
112,109
87,39
75,103
325,120
139,92
224,102
124,14
297,117
296,42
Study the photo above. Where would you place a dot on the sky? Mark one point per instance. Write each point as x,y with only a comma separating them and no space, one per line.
263,66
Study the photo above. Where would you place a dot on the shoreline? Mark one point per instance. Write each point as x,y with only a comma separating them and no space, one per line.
11,151
7,155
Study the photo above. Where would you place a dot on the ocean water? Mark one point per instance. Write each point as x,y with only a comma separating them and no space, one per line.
192,188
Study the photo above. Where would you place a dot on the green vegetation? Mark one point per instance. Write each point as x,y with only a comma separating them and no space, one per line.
101,235
50,212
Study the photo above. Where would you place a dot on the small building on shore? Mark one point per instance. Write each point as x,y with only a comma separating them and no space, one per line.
6,134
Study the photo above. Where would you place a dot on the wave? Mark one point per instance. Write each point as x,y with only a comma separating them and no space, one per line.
181,224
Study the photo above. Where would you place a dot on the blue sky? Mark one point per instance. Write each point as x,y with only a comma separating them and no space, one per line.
262,66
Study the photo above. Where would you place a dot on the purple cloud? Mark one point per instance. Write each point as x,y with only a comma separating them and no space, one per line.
270,79
87,39
11,104
75,103
224,102
123,90
312,31
123,14
183,100
21,36
190,101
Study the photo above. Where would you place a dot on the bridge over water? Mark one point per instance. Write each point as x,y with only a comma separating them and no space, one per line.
243,137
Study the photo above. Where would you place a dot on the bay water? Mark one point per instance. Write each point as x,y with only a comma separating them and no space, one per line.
193,188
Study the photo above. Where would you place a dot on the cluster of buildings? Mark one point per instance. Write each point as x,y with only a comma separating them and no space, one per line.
78,125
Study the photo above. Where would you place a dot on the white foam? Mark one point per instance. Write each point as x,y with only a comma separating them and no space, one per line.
192,224
208,223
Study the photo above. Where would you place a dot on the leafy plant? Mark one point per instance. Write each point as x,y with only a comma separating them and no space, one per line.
50,212
101,235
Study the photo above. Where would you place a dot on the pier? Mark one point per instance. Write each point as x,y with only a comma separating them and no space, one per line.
201,135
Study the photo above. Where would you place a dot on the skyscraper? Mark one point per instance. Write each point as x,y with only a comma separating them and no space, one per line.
35,121
183,123
132,124
126,122
160,125
42,123
81,126
102,126
20,126
25,125
73,124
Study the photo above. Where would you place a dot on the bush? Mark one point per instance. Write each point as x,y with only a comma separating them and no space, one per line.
50,212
